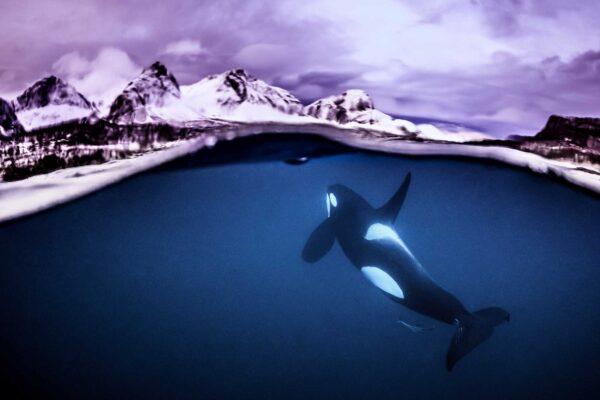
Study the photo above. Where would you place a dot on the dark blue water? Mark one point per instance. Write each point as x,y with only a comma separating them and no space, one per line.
189,284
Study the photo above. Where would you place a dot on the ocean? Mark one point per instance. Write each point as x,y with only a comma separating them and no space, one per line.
188,282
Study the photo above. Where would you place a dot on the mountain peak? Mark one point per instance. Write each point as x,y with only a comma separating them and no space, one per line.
353,105
237,94
51,80
240,72
159,67
148,96
159,70
238,80
356,106
50,90
582,131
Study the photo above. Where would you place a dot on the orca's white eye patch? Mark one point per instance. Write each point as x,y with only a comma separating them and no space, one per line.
328,205
333,199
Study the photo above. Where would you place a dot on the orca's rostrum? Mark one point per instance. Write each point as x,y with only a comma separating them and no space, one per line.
368,239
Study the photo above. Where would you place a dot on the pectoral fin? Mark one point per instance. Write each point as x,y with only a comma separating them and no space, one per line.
415,328
319,242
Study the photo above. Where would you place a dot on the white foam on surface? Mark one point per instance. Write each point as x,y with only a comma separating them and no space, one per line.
41,192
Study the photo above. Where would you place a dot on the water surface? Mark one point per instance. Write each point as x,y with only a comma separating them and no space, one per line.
188,283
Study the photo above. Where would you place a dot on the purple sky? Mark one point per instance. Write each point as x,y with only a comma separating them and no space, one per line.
501,64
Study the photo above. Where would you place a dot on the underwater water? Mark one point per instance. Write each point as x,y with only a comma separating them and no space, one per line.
188,283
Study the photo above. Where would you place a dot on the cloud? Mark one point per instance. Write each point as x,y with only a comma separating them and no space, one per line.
184,47
137,32
262,56
585,67
101,78
327,79
72,65
313,85
502,16
517,60
503,95
7,90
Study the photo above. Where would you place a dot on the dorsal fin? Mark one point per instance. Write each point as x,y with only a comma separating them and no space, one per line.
390,210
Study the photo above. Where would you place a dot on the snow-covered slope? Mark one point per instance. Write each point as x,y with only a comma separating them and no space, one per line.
236,95
450,133
9,124
51,115
154,96
356,107
51,101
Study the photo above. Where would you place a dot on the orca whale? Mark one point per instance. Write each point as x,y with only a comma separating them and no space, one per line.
369,240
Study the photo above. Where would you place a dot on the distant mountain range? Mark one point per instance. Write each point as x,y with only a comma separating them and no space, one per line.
155,96
50,101
52,126
571,138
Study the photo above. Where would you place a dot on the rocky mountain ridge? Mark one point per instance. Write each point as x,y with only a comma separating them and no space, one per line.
9,123
51,101
153,96
235,94
584,132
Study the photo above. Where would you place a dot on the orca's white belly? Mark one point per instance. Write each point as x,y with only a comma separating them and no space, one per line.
383,281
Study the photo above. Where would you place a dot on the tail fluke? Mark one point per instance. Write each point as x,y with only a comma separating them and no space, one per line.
473,330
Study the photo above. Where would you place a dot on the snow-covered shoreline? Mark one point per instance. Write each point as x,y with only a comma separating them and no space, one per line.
21,198
41,192
569,172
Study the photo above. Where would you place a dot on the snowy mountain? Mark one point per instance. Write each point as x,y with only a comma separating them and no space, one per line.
51,101
9,124
584,132
567,138
237,95
154,96
356,107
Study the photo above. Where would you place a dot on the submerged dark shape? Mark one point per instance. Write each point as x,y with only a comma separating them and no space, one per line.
297,160
367,237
